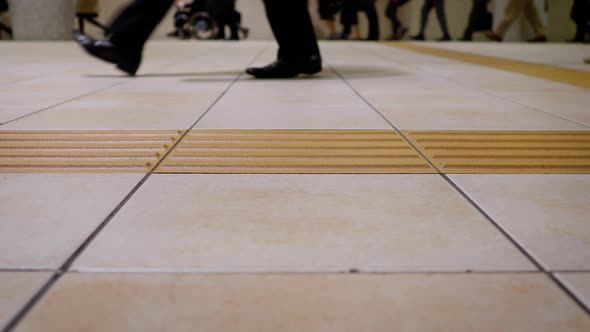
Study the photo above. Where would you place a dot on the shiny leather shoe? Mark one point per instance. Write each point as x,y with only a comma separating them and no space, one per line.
285,69
127,61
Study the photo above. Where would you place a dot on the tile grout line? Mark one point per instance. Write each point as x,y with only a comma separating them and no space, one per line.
515,243
63,102
10,270
306,273
488,93
64,268
393,126
125,81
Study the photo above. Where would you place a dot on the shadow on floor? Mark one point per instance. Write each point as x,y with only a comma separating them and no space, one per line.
329,73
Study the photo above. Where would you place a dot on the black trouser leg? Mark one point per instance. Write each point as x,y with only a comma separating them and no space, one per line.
392,10
234,29
220,30
373,22
479,19
581,30
395,22
348,18
442,18
291,25
428,4
136,22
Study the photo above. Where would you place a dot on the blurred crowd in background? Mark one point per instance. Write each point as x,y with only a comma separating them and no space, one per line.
219,19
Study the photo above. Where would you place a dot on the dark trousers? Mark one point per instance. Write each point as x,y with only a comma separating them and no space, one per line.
291,25
440,14
289,20
479,19
391,12
581,16
136,22
349,12
230,19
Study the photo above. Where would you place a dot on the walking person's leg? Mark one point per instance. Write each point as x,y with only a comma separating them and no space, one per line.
373,19
532,15
298,48
426,7
128,31
442,19
513,9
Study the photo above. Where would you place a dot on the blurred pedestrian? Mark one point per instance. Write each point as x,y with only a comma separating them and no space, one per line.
4,27
349,17
398,28
225,14
439,5
513,9
328,10
581,16
480,19
289,20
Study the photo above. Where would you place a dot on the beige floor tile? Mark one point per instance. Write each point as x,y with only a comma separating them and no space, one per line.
547,214
16,288
149,103
462,110
45,217
248,223
524,84
447,97
522,302
579,283
572,106
169,93
29,96
320,102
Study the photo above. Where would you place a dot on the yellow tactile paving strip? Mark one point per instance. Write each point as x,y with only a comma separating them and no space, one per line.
294,152
481,152
107,151
553,73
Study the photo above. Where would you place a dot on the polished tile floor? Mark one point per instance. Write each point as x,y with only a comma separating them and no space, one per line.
117,251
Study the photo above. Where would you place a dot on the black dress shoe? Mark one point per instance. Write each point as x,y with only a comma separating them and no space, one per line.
126,60
287,69
419,37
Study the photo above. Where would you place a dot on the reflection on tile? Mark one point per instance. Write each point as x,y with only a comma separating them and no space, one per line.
489,302
299,223
578,283
547,214
16,288
45,217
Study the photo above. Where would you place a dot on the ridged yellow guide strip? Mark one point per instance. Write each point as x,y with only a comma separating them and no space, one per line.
92,151
558,74
480,152
294,151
